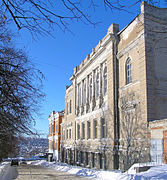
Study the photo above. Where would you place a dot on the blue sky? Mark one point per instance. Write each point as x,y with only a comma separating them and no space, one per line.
56,57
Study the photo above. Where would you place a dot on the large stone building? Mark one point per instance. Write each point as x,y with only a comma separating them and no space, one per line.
116,91
55,119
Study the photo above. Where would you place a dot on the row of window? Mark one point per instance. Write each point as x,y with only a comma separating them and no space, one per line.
81,133
69,107
85,157
86,88
94,84
52,130
68,134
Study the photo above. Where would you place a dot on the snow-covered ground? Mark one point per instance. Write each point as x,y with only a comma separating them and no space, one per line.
3,168
154,173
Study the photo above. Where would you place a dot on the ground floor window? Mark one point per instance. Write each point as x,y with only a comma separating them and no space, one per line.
87,158
93,159
100,161
77,156
82,157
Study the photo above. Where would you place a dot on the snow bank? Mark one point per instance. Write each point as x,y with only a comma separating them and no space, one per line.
79,171
3,168
154,173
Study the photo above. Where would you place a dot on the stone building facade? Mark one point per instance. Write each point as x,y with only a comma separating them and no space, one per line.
116,91
55,119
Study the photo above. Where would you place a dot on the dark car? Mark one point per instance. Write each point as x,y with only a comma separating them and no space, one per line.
23,161
14,162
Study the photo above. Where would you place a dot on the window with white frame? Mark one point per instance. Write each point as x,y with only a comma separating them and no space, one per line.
97,84
105,80
103,128
88,129
95,128
128,68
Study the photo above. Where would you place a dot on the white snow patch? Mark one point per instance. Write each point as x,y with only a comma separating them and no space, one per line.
129,29
2,168
156,172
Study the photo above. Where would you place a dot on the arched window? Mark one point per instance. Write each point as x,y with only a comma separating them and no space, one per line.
97,85
128,71
105,80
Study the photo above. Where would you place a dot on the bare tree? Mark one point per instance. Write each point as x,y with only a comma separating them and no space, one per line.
133,131
40,16
20,91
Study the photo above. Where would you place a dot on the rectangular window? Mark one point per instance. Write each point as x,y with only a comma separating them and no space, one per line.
79,94
95,128
103,128
82,157
56,145
83,130
67,108
78,131
56,128
70,134
77,156
64,134
70,107
93,159
67,134
88,130
87,160
100,161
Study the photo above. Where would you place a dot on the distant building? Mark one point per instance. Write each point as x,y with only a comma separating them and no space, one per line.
68,127
116,91
55,120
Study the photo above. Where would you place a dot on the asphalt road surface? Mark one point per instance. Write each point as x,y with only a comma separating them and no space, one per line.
28,172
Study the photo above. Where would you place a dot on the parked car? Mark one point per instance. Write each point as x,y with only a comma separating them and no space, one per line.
23,161
14,162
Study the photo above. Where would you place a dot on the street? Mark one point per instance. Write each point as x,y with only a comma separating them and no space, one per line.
28,172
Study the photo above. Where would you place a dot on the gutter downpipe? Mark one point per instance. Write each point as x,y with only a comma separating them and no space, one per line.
116,108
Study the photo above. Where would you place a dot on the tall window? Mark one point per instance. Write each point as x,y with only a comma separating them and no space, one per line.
84,92
79,96
87,88
70,133
82,157
67,108
87,160
78,131
56,128
128,71
88,130
97,85
83,130
67,134
95,128
105,80
91,88
70,107
103,128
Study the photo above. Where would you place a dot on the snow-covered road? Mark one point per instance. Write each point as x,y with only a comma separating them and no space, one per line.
8,172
